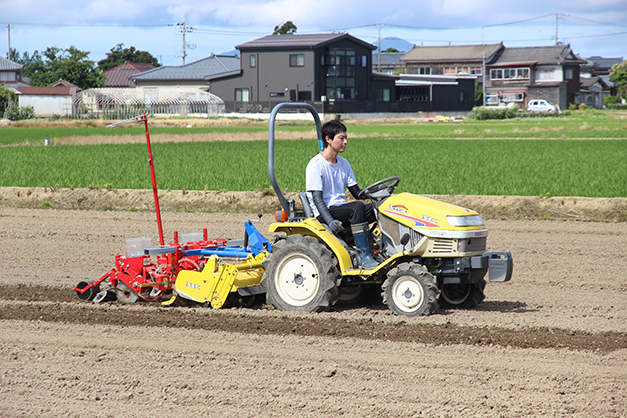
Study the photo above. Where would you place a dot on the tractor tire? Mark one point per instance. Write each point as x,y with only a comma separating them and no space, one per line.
411,290
462,296
301,274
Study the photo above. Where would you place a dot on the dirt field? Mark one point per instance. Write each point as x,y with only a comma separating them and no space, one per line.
552,342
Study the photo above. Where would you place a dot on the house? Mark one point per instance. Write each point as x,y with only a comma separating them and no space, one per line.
312,67
188,75
524,73
388,62
11,74
437,92
598,66
462,60
590,92
55,99
120,76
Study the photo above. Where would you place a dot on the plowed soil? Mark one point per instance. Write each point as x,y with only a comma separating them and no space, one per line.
551,342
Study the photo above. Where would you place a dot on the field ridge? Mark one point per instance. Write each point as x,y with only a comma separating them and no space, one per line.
265,201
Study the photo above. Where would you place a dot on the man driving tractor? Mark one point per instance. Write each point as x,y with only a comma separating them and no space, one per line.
328,175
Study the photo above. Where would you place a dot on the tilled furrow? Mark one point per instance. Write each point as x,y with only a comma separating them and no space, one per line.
246,321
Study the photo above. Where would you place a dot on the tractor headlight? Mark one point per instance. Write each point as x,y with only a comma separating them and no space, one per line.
472,220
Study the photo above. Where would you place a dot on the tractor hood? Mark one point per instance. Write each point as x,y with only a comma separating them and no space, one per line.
433,218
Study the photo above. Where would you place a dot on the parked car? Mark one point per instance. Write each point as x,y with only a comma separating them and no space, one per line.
542,106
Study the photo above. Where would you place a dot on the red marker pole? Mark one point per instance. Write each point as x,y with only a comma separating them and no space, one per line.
154,179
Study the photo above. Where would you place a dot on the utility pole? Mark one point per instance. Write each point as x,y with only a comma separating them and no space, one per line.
483,77
183,29
379,48
556,26
9,52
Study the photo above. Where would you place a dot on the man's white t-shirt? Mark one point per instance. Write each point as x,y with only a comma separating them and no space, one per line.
331,179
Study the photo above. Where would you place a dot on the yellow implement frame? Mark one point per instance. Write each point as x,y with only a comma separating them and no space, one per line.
214,283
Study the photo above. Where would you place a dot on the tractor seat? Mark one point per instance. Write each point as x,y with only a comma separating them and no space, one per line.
306,206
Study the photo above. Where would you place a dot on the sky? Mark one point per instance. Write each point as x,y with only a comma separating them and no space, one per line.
591,27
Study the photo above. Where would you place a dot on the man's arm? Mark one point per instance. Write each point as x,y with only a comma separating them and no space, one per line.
355,190
334,224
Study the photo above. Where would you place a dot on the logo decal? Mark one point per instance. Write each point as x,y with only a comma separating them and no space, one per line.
402,212
192,285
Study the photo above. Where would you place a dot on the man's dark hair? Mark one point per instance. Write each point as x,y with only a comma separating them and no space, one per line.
330,129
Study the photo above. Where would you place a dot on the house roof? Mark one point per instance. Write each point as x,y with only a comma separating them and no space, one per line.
48,91
309,41
387,58
587,82
541,55
223,75
62,82
6,65
119,76
198,70
451,53
600,62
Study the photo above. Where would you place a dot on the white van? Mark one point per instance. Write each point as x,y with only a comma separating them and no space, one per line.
542,106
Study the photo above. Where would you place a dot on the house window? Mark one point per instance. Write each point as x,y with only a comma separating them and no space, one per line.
253,61
364,61
242,95
463,70
509,73
475,70
7,76
340,70
492,99
568,73
513,97
424,70
297,60
304,96
545,74
277,94
383,95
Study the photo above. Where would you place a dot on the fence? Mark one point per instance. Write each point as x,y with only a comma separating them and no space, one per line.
346,106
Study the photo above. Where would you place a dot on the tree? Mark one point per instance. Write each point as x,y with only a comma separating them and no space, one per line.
288,28
70,64
7,98
120,55
618,75
390,49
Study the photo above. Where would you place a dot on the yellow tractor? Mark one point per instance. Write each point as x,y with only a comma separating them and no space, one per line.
430,253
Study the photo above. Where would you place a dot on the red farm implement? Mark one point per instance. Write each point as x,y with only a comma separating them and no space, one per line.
217,267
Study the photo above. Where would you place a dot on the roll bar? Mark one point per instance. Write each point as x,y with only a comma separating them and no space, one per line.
287,206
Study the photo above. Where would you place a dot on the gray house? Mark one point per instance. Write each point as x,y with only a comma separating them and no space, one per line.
188,75
316,67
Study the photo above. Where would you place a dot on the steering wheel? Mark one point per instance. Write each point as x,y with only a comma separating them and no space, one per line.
374,187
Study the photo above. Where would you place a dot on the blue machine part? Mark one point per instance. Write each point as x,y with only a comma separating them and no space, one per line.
255,243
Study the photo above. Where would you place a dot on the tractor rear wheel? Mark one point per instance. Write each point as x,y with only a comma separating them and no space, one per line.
463,295
301,275
411,290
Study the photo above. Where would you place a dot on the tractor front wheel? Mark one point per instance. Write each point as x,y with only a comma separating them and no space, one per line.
411,290
301,275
